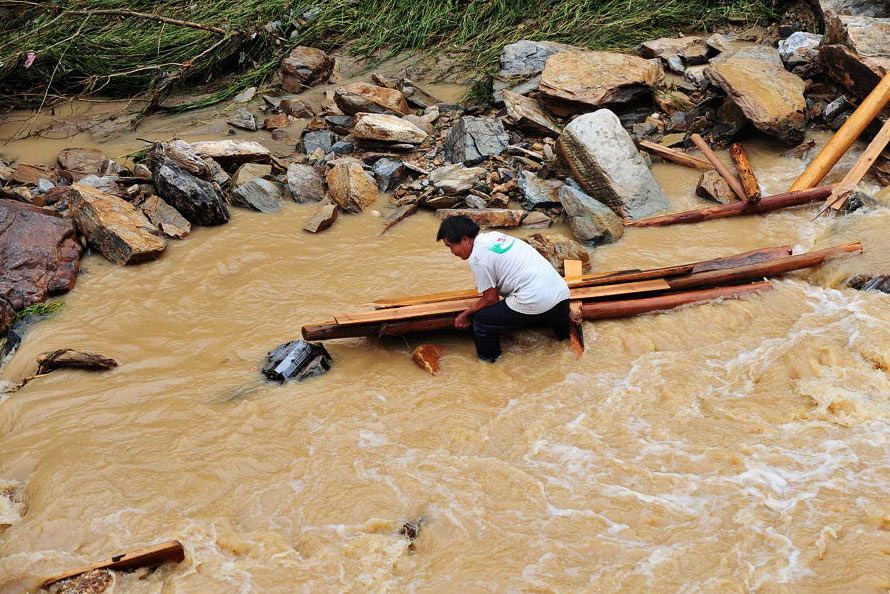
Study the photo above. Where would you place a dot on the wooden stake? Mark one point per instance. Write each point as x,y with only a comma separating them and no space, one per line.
857,172
735,209
675,155
844,137
573,271
724,171
746,174
167,552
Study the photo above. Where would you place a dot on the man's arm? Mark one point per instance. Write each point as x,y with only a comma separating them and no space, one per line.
489,297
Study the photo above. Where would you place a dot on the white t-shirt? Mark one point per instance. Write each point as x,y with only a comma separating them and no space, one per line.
528,281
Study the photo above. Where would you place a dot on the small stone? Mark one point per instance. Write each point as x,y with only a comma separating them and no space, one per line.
245,96
304,183
250,171
350,187
536,220
537,192
276,121
259,194
244,120
44,185
362,97
456,179
486,217
592,222
318,139
556,250
297,360
166,218
389,173
305,67
325,216
426,356
711,186
296,109
81,160
341,147
472,139
387,128
280,135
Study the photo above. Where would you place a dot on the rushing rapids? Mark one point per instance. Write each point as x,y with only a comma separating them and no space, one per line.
732,446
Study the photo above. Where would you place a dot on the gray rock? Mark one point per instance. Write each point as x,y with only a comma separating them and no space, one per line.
695,75
105,184
297,360
711,186
197,200
304,182
244,120
527,114
474,201
527,58
537,192
856,51
866,8
591,221
44,185
675,64
249,171
166,218
456,179
536,220
835,107
799,48
217,174
608,165
259,194
318,139
471,139
341,147
523,87
81,160
245,96
389,173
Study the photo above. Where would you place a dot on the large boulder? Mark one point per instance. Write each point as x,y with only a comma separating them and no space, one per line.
259,194
526,113
197,200
486,217
383,127
591,221
360,97
472,139
538,192
769,96
557,249
305,67
575,82
81,160
527,58
609,167
456,179
39,255
350,187
114,227
304,182
856,51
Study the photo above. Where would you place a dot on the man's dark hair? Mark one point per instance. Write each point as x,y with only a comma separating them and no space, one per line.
454,229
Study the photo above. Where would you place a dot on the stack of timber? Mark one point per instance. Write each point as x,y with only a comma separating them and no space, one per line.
601,296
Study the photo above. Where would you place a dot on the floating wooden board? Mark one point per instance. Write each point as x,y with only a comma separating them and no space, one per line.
677,156
603,310
645,286
166,552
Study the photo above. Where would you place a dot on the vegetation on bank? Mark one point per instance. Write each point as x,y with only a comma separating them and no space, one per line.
113,48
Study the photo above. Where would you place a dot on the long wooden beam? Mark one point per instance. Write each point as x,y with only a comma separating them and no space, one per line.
735,209
844,138
761,270
166,552
603,310
857,172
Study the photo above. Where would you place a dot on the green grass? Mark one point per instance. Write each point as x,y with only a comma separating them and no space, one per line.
123,56
39,309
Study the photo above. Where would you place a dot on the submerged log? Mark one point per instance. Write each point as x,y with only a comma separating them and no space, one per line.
746,173
71,359
167,552
844,138
721,168
623,309
735,209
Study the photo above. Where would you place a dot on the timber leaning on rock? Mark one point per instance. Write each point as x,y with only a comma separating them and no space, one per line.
505,266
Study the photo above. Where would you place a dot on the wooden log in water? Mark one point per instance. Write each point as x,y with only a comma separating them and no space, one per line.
167,552
604,310
746,173
761,270
675,155
735,209
857,172
721,168
844,137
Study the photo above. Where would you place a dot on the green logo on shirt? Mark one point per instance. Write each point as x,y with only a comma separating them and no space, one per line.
499,247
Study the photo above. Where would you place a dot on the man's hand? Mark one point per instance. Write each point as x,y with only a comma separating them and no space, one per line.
462,321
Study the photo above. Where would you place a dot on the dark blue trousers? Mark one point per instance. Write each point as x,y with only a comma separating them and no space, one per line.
491,322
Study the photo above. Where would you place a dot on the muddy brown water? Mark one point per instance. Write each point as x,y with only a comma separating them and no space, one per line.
735,446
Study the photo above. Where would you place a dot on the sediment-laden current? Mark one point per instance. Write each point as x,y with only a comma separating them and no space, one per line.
734,446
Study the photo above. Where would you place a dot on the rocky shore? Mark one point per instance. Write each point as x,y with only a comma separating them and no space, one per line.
558,141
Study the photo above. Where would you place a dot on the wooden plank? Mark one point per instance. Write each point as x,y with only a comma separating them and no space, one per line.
573,269
844,138
457,305
857,172
167,552
722,169
429,298
645,286
604,310
746,173
735,209
675,155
